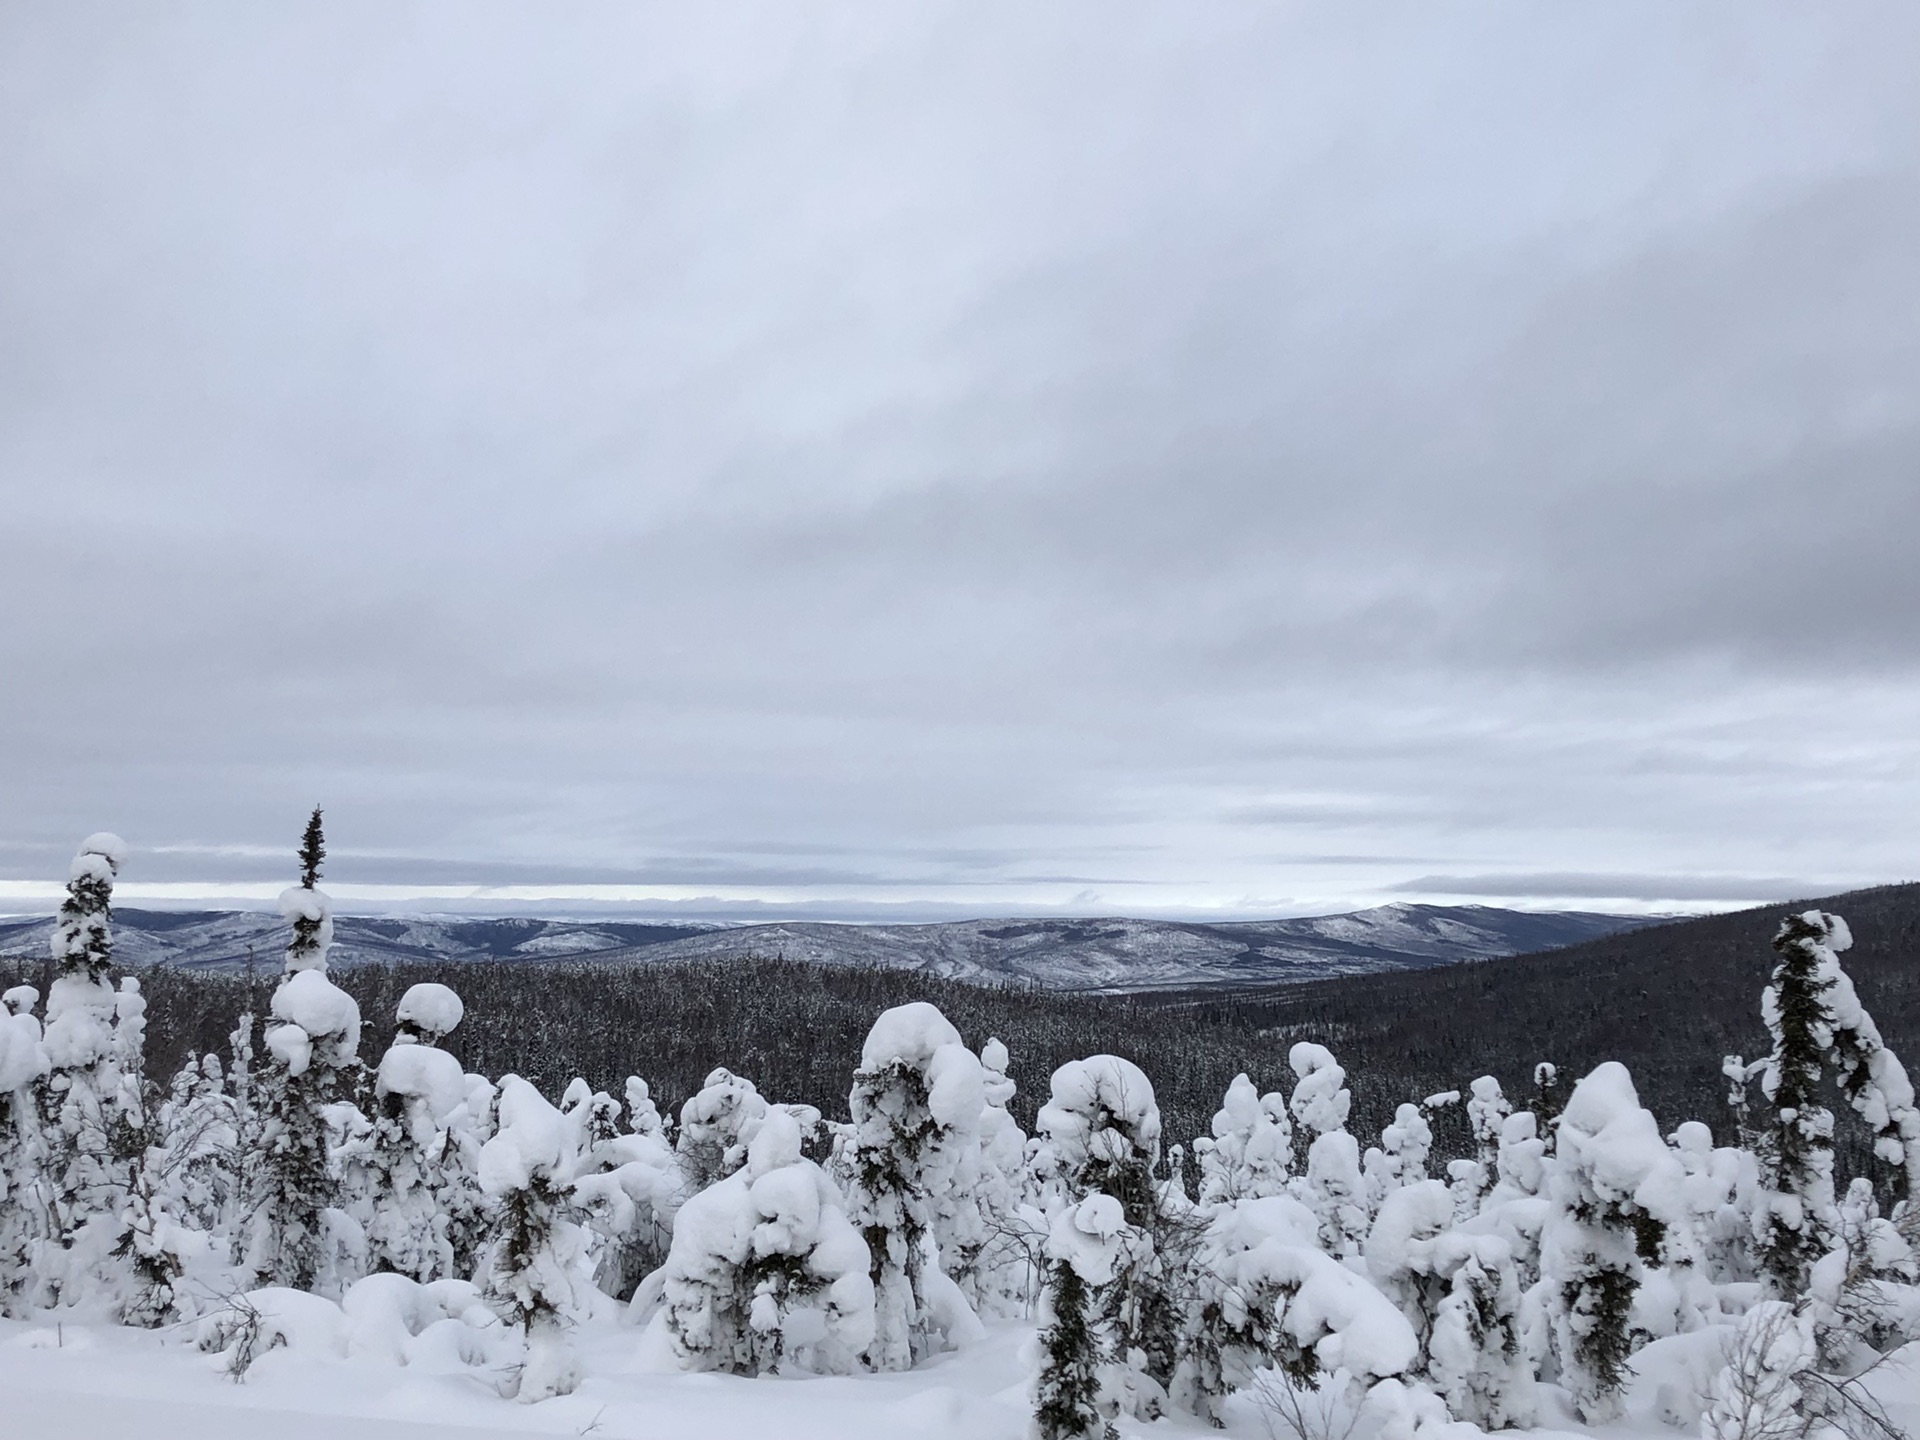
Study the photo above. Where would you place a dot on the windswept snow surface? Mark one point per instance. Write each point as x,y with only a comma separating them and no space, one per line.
1109,954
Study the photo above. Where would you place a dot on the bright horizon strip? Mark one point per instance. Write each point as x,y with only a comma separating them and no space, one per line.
41,896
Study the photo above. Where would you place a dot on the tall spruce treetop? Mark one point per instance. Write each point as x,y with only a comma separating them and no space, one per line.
307,906
313,850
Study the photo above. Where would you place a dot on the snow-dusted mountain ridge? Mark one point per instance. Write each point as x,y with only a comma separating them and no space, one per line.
1053,954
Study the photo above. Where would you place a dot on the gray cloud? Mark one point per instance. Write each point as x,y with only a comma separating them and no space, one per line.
906,452
1683,889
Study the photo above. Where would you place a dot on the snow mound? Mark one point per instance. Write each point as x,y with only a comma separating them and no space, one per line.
384,1319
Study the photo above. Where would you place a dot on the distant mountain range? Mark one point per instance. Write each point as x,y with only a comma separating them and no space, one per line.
1105,954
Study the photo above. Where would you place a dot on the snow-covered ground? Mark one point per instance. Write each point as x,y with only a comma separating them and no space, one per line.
82,1382
62,1380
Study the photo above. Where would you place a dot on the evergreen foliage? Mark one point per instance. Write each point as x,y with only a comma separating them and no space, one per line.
1066,1394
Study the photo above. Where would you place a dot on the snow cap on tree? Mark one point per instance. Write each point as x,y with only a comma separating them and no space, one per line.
919,1037
1101,1095
1617,1143
994,1061
1093,1237
319,1021
23,1059
428,1081
427,1014
535,1142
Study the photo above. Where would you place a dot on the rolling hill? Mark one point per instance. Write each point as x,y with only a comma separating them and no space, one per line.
1049,954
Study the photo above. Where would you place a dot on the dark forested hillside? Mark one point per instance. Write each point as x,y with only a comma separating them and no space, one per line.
1668,1001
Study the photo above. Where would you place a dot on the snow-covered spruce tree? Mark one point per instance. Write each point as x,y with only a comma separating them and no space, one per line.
1815,1018
83,1126
629,1192
1100,1137
1475,1356
1406,1251
1250,1149
1075,1393
1066,1401
526,1169
1549,1099
1794,1225
1718,1194
314,1043
715,1128
1521,1162
1487,1111
766,1273
998,1265
198,1137
463,1204
248,1128
1332,1187
413,1160
1707,1238
643,1116
1861,1294
1516,1210
1614,1186
23,1191
1460,1294
1401,1157
1274,1301
916,1104
152,1244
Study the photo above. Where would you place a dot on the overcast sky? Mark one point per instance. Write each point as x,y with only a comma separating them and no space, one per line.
936,460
